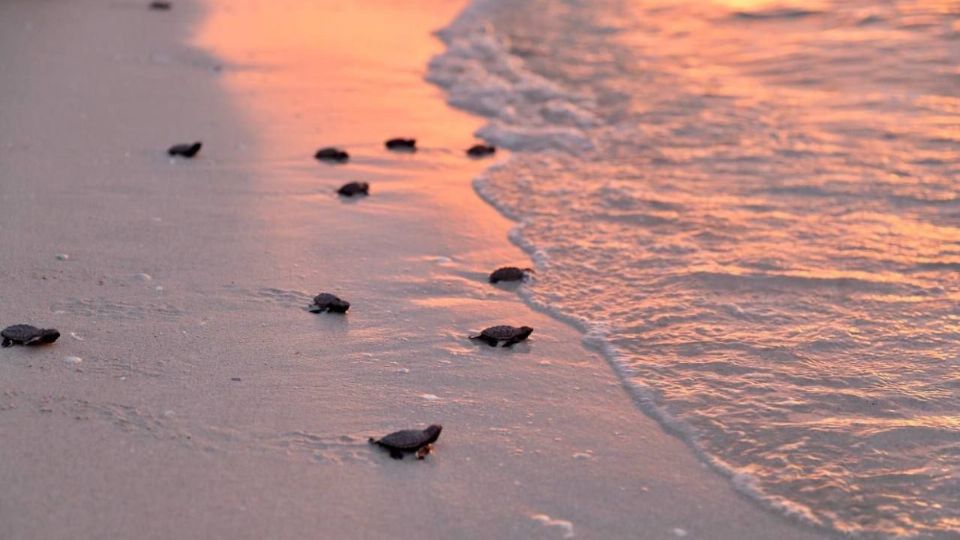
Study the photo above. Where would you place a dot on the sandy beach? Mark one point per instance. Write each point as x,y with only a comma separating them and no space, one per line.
191,395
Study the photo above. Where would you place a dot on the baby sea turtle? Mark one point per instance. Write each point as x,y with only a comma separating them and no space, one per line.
409,441
354,188
509,273
401,144
509,335
481,150
332,154
24,334
328,302
185,150
160,5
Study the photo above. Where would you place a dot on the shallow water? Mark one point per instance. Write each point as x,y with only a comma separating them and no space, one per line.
753,209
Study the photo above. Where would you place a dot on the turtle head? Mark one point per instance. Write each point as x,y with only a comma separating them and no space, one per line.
525,332
433,432
529,271
49,335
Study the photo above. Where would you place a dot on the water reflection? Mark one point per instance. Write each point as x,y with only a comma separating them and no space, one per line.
753,208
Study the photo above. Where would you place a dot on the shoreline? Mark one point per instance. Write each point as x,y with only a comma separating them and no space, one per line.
206,267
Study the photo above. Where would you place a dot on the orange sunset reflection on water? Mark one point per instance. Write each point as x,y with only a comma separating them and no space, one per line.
752,207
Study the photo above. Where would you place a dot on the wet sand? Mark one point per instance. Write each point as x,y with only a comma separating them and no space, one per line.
182,276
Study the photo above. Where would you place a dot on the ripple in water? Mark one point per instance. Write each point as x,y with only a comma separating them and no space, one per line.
755,213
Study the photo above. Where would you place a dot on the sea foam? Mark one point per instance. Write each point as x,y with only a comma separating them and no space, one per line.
763,244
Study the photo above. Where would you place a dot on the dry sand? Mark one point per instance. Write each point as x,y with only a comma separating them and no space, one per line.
183,275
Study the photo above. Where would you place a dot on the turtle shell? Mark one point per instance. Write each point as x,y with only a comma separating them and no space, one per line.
354,188
26,334
481,150
185,150
507,273
329,302
331,154
504,332
401,144
411,439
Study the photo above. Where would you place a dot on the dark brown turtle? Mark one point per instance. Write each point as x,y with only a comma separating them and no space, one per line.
328,302
409,441
185,150
160,5
481,150
509,273
354,188
401,144
25,334
332,154
509,335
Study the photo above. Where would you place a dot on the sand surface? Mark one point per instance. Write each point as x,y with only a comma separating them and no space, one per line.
181,276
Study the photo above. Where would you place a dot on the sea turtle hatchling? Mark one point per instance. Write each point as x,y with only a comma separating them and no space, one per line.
354,188
400,143
185,150
509,273
409,441
332,154
481,150
509,335
328,302
25,334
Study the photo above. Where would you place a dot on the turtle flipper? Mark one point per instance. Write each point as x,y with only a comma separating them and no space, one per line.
7,342
423,451
489,341
512,342
396,454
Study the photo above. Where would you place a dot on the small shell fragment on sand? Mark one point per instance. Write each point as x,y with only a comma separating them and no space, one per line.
565,526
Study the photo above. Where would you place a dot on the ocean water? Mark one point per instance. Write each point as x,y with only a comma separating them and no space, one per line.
753,209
